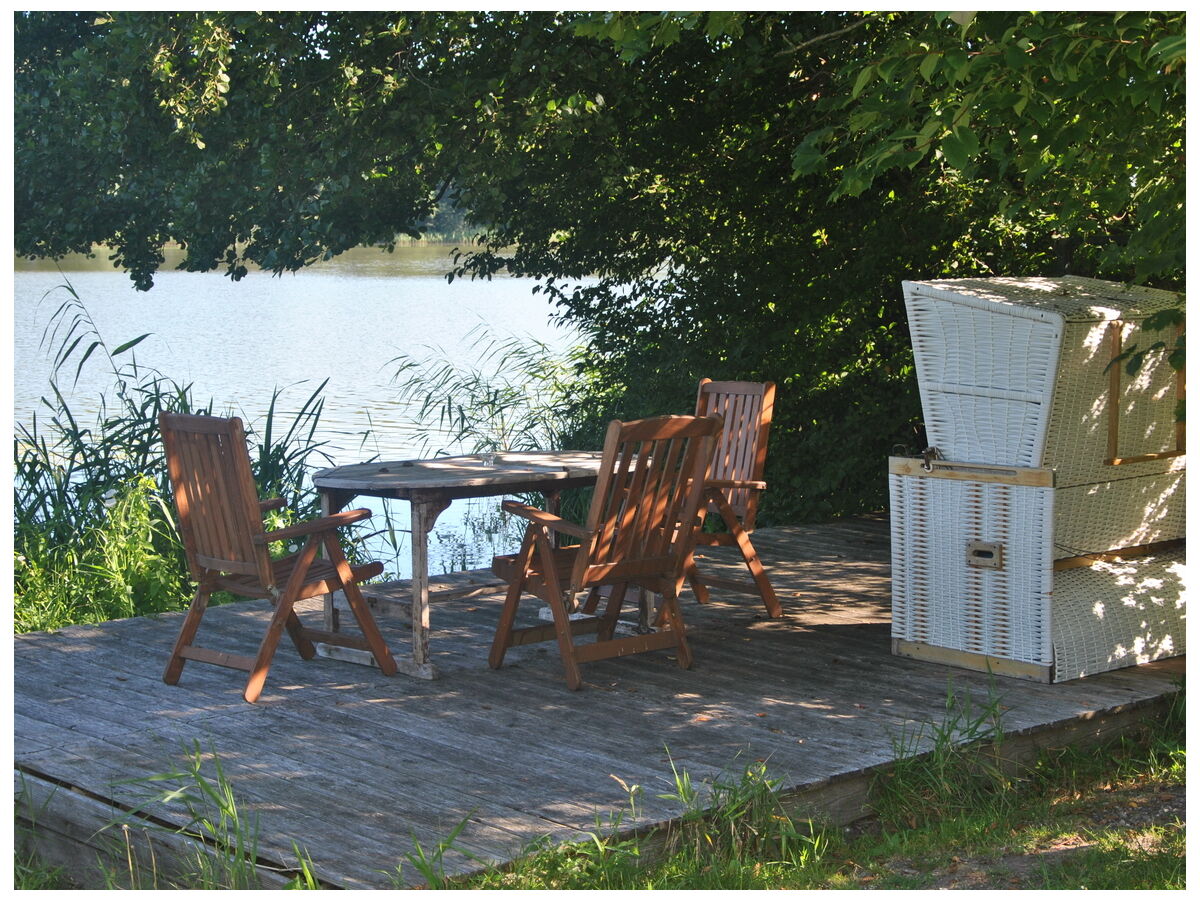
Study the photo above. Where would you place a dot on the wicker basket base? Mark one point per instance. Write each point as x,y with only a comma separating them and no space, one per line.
1115,614
974,585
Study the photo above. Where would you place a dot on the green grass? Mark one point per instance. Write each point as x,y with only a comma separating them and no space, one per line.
31,874
951,817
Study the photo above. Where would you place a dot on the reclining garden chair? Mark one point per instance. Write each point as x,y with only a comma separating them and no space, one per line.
220,521
735,481
639,532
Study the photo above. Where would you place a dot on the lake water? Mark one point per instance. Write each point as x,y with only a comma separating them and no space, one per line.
235,342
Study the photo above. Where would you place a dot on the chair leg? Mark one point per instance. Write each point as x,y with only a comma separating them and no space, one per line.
693,577
280,620
558,608
674,620
358,606
750,557
612,609
187,632
266,650
508,613
299,635
590,604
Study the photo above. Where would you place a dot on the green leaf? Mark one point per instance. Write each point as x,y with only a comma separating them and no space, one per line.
128,345
929,65
807,159
959,147
1170,49
1015,57
962,19
863,79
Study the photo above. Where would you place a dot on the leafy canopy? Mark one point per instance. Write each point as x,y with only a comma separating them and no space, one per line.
743,191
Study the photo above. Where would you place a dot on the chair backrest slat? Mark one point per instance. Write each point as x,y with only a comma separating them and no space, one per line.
215,495
741,453
647,498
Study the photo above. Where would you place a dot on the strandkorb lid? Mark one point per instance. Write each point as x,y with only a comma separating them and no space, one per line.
1069,297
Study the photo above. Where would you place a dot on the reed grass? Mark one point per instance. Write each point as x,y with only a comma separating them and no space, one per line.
95,537
515,395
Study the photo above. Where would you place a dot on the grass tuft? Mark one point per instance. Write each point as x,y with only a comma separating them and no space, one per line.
947,768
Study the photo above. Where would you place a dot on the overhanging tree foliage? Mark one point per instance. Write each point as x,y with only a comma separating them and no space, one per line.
747,188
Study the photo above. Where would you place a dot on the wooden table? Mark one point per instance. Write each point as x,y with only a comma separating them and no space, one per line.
429,485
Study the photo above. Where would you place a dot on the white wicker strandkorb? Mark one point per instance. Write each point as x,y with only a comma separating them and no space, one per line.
1015,372
1050,460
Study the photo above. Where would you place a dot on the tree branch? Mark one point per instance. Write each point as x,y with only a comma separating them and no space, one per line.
796,48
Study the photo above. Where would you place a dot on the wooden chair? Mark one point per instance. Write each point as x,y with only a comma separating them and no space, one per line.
735,481
639,532
220,521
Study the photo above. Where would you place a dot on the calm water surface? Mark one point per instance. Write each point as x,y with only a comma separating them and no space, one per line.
235,342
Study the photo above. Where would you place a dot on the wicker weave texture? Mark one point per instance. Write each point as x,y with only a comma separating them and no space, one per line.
1012,372
1128,512
1067,298
986,380
1112,615
938,598
1078,425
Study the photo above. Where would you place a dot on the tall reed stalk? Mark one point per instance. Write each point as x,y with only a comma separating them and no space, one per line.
95,536
516,395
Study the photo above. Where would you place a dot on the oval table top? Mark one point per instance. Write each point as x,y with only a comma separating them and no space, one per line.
452,473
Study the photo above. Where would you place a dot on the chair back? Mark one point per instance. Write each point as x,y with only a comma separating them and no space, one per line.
215,496
647,499
741,453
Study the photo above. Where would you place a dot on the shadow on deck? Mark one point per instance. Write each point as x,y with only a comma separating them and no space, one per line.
353,766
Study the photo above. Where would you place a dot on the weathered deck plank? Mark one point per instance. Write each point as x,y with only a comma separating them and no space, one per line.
353,766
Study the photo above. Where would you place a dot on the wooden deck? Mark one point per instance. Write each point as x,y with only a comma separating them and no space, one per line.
352,766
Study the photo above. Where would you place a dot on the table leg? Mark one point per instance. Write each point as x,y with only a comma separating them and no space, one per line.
331,502
331,613
424,516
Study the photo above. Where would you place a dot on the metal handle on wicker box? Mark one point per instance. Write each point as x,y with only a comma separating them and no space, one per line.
985,555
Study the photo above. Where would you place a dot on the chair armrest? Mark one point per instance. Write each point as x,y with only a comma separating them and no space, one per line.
316,526
735,483
265,506
541,517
